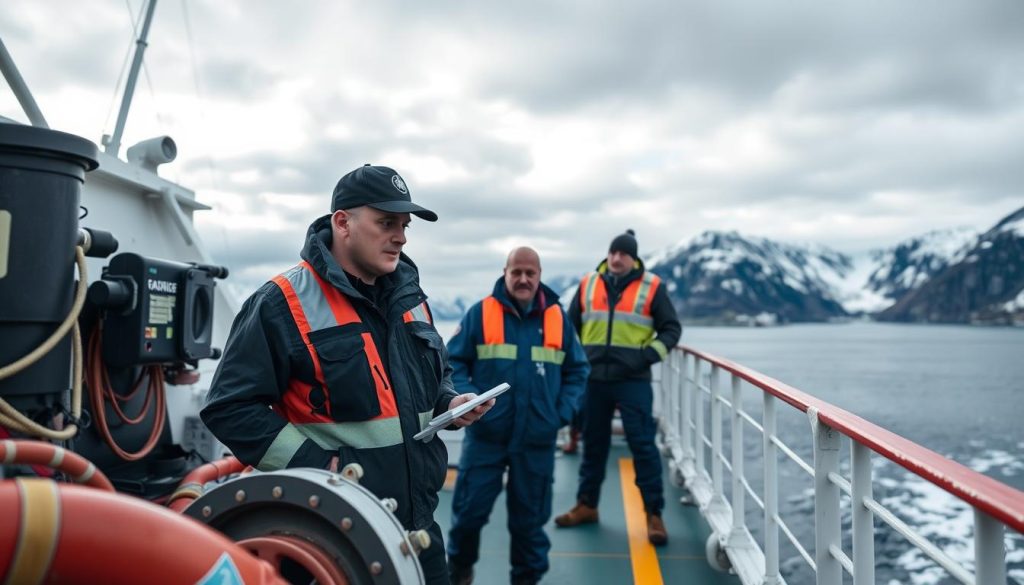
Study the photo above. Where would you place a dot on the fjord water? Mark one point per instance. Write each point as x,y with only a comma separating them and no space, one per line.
957,390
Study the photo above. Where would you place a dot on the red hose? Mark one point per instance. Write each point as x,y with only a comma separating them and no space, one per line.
100,393
191,486
78,468
68,534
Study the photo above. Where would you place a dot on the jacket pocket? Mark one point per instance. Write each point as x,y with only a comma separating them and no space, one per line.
431,355
351,390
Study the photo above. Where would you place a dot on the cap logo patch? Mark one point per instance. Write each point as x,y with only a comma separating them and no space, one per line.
399,184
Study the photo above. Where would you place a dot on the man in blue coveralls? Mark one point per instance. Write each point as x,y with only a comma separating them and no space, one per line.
519,335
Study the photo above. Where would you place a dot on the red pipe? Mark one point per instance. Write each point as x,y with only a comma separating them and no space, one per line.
78,468
191,486
99,537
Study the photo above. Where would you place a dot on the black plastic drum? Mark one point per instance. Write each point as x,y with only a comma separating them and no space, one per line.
41,176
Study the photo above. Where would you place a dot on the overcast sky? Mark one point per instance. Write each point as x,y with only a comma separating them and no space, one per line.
555,124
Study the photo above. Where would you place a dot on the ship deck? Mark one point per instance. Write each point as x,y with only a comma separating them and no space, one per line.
615,550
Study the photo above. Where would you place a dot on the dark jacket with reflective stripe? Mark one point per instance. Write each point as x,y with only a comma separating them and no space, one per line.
265,350
612,364
544,394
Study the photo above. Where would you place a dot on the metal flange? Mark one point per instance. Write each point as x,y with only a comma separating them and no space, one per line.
341,519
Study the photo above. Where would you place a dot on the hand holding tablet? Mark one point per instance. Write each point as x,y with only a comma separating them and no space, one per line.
446,418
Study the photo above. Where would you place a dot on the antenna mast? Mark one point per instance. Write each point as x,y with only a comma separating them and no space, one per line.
114,143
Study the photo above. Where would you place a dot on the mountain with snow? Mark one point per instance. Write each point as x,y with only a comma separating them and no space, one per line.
943,276
906,266
983,282
724,277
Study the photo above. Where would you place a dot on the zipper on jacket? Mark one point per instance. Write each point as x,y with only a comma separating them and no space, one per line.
381,376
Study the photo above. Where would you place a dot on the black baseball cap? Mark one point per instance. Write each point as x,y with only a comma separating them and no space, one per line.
380,188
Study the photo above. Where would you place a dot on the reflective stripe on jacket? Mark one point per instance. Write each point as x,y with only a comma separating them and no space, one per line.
626,324
494,346
317,306
313,369
538,353
630,324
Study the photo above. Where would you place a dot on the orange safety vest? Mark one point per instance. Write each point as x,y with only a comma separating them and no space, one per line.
632,326
314,305
494,346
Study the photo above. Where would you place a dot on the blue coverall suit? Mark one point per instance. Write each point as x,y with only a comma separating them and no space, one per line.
518,434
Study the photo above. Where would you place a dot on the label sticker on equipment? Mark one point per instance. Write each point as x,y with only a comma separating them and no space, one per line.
5,240
161,309
224,572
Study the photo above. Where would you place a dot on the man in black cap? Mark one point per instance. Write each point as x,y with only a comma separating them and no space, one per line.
627,324
343,350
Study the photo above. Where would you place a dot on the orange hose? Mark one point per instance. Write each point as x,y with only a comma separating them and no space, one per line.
100,392
99,537
191,486
78,468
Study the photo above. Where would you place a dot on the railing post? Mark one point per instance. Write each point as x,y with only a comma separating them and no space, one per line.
684,415
661,405
669,383
826,501
989,552
716,433
738,493
657,393
863,520
771,492
698,414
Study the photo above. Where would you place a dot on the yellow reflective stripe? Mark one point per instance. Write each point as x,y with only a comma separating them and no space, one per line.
641,295
631,334
589,292
496,351
425,418
594,332
366,434
547,354
660,348
281,451
37,535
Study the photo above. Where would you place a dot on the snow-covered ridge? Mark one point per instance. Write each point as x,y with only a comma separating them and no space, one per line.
910,263
728,277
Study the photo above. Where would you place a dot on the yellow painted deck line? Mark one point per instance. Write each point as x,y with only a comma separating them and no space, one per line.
646,570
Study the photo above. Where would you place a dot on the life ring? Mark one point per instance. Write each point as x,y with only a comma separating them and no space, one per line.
69,534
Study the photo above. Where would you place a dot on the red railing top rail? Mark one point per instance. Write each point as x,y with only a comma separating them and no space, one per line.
999,500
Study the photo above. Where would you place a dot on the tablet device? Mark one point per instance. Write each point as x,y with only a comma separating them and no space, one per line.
445,418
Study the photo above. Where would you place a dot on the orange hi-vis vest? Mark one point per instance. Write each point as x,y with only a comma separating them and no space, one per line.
494,346
316,305
630,324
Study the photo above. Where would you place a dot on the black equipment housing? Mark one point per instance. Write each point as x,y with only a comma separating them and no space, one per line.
158,311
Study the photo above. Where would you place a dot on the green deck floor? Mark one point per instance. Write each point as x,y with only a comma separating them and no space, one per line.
599,553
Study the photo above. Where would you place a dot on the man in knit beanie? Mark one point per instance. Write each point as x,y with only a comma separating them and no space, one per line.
621,256
627,324
625,243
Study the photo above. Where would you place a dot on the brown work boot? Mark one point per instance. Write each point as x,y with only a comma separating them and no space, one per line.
580,514
656,530
459,574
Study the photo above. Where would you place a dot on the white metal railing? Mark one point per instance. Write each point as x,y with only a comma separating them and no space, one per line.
690,389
